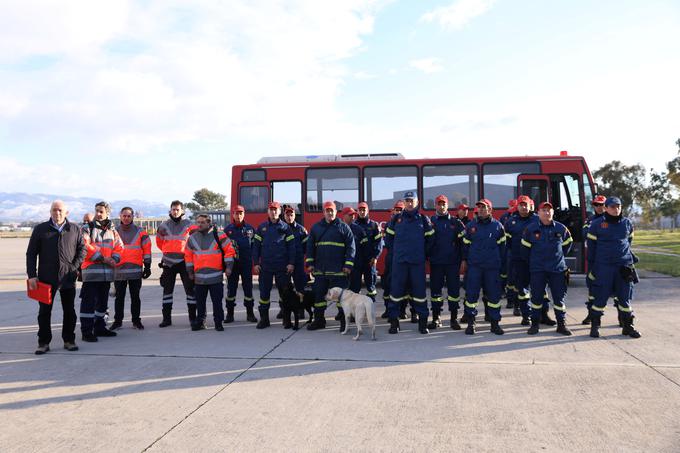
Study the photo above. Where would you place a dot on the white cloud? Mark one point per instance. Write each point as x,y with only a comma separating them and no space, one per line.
458,14
427,65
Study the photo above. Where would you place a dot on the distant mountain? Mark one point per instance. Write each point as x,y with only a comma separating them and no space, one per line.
20,207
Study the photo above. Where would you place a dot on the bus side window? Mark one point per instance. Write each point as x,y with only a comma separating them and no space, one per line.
457,182
254,198
383,186
340,185
500,180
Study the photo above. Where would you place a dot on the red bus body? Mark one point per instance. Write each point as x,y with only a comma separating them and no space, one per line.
380,180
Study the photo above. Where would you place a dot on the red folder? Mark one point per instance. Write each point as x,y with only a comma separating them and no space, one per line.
43,293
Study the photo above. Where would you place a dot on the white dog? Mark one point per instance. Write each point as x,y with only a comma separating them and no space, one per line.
354,304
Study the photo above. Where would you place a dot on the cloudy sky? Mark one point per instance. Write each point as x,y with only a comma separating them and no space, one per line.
155,99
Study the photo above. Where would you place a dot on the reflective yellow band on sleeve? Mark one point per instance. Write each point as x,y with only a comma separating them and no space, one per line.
526,243
567,241
591,237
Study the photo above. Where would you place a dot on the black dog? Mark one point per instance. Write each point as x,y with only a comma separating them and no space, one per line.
293,304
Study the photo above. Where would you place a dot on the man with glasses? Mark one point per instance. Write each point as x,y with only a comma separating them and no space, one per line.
366,268
598,207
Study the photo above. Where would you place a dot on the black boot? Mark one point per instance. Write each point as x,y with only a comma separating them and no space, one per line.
191,308
454,320
414,316
562,328
545,317
595,325
319,321
264,320
471,326
496,328
436,321
487,318
385,315
167,317
250,315
628,328
533,330
587,319
621,317
525,321
422,324
340,315
394,326
230,315
516,310
464,318
402,310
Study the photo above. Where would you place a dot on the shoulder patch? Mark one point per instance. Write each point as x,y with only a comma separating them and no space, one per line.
604,225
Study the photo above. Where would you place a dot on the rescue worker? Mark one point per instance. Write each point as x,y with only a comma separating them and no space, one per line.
387,271
598,207
273,258
208,256
483,255
104,248
300,277
411,236
171,240
241,234
366,268
611,261
135,265
348,214
512,208
544,245
518,267
330,259
445,263
462,213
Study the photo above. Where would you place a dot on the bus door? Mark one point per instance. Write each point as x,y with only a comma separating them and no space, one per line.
536,187
290,193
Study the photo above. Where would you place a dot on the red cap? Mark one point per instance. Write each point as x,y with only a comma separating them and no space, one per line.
348,210
363,204
441,198
274,205
525,199
512,203
599,199
545,204
289,209
399,204
238,208
329,205
463,206
485,202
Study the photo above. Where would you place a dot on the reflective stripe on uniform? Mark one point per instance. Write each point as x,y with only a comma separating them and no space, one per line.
526,243
591,236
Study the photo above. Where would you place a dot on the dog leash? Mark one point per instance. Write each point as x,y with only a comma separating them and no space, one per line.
340,296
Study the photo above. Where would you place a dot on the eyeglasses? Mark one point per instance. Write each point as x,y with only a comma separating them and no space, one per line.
598,204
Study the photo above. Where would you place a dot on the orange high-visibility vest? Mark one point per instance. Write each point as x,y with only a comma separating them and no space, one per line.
171,239
204,257
100,244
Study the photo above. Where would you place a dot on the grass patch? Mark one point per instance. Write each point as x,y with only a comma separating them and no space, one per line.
669,265
659,239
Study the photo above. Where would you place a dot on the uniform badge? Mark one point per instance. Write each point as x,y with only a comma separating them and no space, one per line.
399,220
473,230
558,235
264,230
537,235
604,225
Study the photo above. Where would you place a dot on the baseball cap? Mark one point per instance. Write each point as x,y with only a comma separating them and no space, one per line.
512,203
463,206
363,204
612,200
545,204
329,205
441,198
289,209
410,195
525,199
274,205
348,210
238,208
486,202
599,199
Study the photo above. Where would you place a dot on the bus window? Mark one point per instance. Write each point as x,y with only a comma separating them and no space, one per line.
457,182
588,192
384,186
254,175
500,180
254,198
288,192
340,185
566,199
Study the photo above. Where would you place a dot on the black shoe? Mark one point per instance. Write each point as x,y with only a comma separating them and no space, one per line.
586,320
219,327
197,326
104,332
394,326
89,338
191,310
414,316
250,315
516,311
436,321
385,315
525,321
318,323
167,318
496,328
595,326
454,324
42,349
264,320
422,325
546,319
70,346
138,325
628,328
402,315
563,329
279,315
535,325
116,325
230,315
470,330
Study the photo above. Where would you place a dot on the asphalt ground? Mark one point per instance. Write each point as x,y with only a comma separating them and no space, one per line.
280,390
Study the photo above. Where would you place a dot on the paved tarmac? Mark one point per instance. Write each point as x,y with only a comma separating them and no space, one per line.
280,390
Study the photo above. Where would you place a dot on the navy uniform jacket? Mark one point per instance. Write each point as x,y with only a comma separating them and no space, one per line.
588,222
242,236
448,239
330,247
410,236
300,234
360,243
545,246
484,243
514,228
609,241
506,215
273,246
374,243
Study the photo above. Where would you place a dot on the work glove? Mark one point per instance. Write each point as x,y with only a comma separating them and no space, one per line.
147,271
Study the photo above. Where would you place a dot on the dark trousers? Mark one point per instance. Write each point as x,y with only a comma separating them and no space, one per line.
369,274
408,283
489,280
300,277
68,328
518,283
386,278
557,283
216,293
167,281
93,305
265,282
135,301
439,274
243,269
321,285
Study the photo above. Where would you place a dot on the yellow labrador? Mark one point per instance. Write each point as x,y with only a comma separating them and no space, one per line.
354,304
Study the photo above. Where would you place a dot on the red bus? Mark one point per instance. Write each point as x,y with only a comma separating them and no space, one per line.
306,182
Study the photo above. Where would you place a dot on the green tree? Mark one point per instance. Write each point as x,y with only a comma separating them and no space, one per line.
207,200
656,200
624,181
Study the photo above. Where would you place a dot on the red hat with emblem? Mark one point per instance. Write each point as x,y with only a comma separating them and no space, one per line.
238,208
348,211
525,199
545,204
440,198
599,199
274,205
486,202
329,205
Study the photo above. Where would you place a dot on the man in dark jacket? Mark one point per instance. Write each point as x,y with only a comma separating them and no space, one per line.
57,249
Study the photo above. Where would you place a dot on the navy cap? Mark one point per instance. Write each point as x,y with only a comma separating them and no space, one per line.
612,200
410,194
